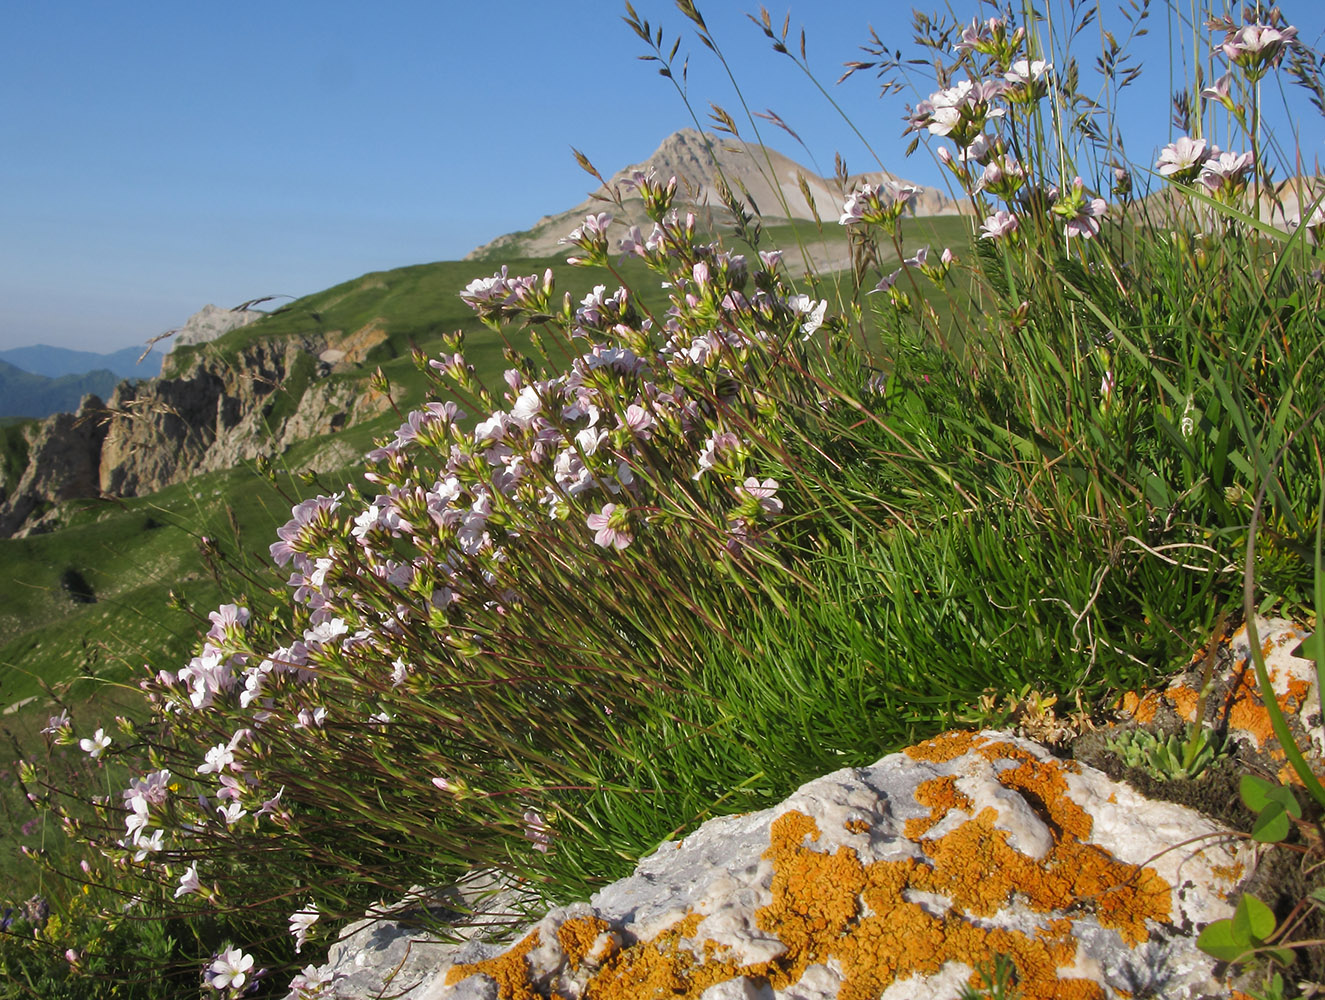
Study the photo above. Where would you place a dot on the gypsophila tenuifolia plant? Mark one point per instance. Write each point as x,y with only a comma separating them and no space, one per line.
676,559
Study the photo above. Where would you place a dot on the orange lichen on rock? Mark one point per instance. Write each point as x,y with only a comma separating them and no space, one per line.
1142,708
831,907
578,936
942,796
857,826
944,747
509,970
899,938
1184,700
1042,780
815,895
661,967
1246,707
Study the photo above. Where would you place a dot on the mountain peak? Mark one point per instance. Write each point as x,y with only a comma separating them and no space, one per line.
212,321
762,177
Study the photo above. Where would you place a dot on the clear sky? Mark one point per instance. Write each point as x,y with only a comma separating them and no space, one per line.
155,157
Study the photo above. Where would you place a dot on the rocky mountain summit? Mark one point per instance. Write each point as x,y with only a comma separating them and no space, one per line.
210,322
764,179
207,411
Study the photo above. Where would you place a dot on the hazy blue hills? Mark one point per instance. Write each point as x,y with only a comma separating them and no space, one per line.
53,362
23,394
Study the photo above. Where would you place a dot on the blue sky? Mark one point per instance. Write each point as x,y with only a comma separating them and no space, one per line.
159,156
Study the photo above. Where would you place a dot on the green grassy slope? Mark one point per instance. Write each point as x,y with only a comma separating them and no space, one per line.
134,553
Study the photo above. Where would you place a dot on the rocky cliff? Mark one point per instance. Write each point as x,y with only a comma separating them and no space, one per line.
209,411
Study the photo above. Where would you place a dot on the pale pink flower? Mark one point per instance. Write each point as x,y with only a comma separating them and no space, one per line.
536,831
1257,47
919,260
224,617
765,493
610,527
1001,223
1219,91
639,421
1226,171
57,723
886,282
1181,159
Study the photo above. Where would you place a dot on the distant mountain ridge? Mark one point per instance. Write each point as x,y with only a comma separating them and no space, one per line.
772,181
53,362
41,380
23,394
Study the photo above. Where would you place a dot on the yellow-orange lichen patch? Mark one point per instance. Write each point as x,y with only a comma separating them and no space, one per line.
899,938
1185,701
578,936
1043,780
857,826
830,906
944,747
509,970
815,895
941,795
1142,708
1246,708
662,968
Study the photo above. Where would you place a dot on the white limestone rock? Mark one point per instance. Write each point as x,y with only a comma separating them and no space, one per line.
979,844
212,321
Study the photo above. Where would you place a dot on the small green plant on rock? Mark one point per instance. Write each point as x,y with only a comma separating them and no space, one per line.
1174,757
997,982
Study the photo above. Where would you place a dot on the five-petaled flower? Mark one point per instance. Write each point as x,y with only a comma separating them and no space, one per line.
611,526
95,746
1182,159
229,971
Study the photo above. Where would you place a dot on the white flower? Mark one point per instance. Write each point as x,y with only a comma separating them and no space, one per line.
526,406
148,845
1027,71
300,922
188,882
308,983
230,970
96,746
812,313
232,813
217,760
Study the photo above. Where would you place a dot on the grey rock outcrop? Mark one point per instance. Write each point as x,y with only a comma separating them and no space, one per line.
210,411
216,413
64,454
898,881
211,322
